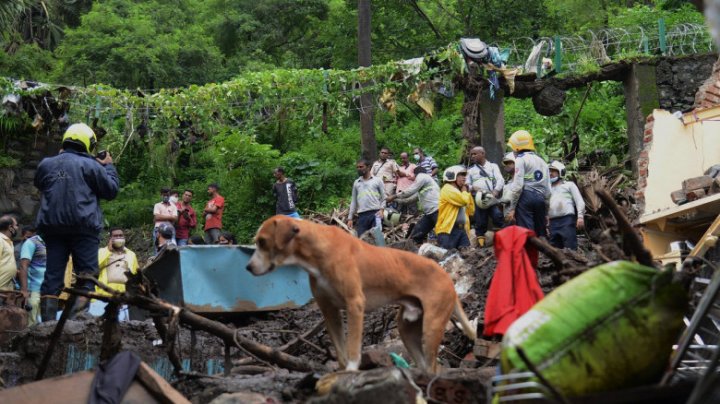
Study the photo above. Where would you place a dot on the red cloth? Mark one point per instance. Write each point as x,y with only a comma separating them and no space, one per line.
514,288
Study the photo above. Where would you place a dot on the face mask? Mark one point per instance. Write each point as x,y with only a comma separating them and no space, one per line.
554,180
361,173
416,157
166,199
118,243
173,199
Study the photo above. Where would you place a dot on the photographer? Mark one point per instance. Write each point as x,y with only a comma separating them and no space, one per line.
187,219
70,220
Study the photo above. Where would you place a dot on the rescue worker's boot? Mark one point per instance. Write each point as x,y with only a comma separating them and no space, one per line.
48,308
81,304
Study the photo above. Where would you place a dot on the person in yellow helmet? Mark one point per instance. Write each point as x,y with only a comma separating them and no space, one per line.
529,191
70,220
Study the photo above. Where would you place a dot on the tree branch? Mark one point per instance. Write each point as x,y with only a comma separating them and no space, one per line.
421,13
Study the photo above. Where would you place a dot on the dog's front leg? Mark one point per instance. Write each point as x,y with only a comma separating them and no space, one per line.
355,314
333,323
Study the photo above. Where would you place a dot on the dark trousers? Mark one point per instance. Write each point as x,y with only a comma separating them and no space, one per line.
365,222
423,227
563,233
455,239
531,212
84,251
483,216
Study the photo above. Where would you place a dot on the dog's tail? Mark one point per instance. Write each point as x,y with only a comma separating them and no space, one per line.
459,315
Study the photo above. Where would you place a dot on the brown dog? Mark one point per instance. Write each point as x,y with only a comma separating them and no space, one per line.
347,273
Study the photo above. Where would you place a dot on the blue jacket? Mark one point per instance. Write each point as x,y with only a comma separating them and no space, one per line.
71,185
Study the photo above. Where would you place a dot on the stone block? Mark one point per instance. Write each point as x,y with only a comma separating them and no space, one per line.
695,195
701,182
678,197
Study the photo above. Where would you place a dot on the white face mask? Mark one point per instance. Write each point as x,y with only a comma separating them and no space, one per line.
554,180
173,199
118,243
416,157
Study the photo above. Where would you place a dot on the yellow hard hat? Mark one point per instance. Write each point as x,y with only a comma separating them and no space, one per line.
81,135
521,140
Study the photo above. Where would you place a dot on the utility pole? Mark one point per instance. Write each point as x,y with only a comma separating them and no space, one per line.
367,130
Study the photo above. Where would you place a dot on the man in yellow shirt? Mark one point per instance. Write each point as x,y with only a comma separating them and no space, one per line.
114,261
455,209
8,266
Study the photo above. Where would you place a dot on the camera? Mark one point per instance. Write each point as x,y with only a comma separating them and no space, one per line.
102,154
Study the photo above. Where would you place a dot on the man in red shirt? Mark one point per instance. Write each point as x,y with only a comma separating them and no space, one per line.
213,214
187,219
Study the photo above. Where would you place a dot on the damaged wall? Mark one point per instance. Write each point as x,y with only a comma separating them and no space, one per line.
679,79
676,149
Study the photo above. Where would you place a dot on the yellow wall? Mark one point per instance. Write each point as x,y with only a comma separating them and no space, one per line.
680,151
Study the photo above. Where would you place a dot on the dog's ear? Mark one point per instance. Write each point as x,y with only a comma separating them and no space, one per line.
285,230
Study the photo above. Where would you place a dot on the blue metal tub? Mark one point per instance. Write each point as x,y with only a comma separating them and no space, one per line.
213,279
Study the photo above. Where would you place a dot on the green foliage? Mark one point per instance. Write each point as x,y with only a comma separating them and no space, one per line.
646,17
601,124
27,62
146,44
8,162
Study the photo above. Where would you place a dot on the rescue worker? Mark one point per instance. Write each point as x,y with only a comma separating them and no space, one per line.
455,209
567,209
70,220
530,189
486,183
426,193
368,200
508,172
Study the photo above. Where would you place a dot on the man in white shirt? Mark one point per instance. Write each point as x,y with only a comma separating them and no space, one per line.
164,212
567,209
485,178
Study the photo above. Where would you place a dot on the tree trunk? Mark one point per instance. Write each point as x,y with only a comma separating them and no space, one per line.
367,131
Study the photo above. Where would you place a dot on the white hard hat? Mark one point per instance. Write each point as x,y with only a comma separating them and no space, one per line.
451,173
559,167
509,157
485,200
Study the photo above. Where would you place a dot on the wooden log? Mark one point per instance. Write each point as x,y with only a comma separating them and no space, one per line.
220,330
551,252
630,236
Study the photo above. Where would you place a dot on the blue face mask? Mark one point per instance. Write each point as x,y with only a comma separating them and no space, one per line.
554,180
